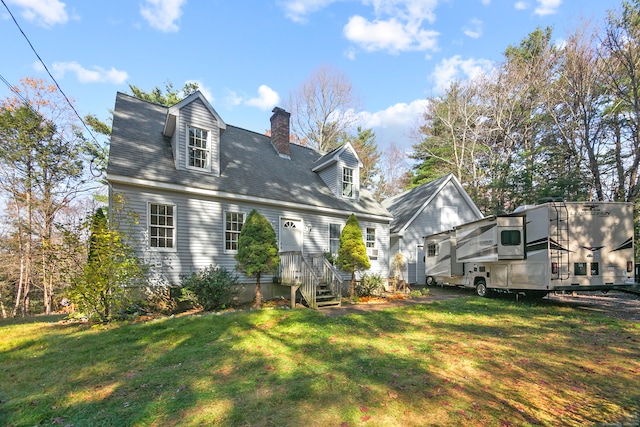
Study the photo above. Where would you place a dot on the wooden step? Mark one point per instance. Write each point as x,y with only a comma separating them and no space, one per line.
331,303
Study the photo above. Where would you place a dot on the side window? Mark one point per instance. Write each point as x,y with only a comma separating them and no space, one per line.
161,226
232,226
371,238
510,237
334,238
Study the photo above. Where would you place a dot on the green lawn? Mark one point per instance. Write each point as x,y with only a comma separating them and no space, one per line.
468,361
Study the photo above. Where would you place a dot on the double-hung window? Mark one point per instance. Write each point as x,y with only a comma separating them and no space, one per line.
334,238
371,238
347,182
232,227
162,227
198,148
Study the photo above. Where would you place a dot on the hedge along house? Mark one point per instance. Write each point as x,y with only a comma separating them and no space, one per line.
435,206
191,180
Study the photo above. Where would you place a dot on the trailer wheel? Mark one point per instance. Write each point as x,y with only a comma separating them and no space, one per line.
431,281
481,289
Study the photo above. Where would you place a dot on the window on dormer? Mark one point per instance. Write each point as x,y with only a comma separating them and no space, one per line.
347,182
198,148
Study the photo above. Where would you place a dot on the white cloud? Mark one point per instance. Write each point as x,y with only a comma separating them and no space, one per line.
233,98
397,115
299,10
521,5
398,26
84,75
205,91
395,124
456,68
391,35
350,53
162,14
473,29
547,7
45,13
485,2
267,98
395,25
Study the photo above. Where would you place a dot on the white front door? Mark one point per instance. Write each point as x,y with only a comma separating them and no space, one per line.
290,235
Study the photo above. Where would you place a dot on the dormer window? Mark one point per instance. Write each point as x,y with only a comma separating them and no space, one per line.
347,182
198,148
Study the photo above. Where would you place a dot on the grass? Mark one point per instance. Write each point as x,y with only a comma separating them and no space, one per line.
468,361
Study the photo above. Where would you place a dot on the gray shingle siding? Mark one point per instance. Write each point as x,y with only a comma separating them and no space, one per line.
200,232
413,220
330,177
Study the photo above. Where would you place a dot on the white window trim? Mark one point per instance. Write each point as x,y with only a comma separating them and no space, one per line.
353,182
175,227
366,235
341,225
207,168
224,228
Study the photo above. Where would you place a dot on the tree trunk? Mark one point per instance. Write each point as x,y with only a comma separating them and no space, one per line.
352,289
2,308
19,290
258,303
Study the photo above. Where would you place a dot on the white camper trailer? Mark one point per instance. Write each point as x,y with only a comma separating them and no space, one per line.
555,246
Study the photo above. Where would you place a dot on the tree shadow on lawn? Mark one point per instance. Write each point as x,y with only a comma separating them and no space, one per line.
425,364
559,364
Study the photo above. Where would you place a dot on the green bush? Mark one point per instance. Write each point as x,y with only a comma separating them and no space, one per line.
213,288
370,284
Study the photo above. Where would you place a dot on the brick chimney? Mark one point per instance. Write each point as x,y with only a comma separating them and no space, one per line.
280,132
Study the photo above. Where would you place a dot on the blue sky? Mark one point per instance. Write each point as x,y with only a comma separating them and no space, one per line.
248,55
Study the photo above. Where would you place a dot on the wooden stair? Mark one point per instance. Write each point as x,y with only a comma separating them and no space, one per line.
325,297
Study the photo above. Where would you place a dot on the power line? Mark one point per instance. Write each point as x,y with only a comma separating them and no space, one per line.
48,72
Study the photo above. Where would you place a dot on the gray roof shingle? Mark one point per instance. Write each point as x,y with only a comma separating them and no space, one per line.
249,164
404,206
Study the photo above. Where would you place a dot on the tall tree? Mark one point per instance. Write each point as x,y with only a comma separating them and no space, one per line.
621,54
395,174
111,273
352,253
575,101
42,168
323,108
257,250
364,142
169,97
453,138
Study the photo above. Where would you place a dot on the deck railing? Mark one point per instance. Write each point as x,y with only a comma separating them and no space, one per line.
296,271
329,274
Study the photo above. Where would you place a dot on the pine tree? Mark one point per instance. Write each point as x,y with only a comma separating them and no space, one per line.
257,250
112,270
352,254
